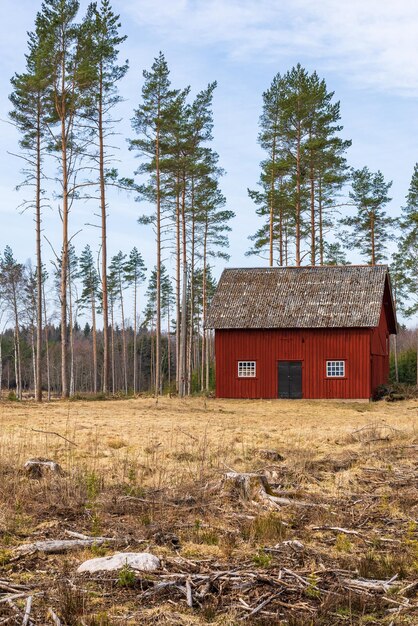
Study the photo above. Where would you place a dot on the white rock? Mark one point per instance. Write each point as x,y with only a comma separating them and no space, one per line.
141,561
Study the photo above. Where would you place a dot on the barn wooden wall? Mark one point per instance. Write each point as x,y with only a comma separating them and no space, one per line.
312,347
379,352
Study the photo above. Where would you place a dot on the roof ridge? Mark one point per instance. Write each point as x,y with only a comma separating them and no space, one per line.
302,267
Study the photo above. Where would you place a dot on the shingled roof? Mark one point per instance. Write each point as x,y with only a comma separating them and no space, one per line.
299,297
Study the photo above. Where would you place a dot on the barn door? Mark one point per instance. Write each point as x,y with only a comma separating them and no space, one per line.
290,379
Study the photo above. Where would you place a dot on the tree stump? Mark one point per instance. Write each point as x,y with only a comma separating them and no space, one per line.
38,467
244,486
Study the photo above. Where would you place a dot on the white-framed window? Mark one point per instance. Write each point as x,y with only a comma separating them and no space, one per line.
335,369
246,369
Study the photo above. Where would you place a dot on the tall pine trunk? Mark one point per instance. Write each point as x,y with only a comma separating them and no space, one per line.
298,198
38,366
71,329
64,254
48,370
372,239
158,272
93,320
191,322
183,326
178,306
124,351
204,348
33,350
271,219
105,298
112,331
18,363
320,224
135,359
312,203
281,226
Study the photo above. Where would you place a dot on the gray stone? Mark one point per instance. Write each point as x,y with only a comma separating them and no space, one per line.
140,561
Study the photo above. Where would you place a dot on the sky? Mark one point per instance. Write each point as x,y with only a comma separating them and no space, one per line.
366,50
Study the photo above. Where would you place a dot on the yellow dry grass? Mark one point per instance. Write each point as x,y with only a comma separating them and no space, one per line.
192,435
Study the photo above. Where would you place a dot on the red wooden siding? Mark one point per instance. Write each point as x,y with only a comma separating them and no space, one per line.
379,351
311,346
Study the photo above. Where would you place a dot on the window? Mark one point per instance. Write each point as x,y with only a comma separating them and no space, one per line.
246,369
335,369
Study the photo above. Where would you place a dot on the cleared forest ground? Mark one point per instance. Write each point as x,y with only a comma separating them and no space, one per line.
152,478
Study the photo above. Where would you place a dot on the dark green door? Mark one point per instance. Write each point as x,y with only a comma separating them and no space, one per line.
290,379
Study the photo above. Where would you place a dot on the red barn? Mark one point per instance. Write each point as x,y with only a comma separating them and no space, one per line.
302,332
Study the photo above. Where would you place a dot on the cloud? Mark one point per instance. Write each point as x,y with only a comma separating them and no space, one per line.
373,42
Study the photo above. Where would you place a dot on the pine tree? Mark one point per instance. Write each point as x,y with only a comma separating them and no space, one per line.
12,285
89,298
213,228
304,167
103,28
271,201
167,300
112,285
117,274
151,122
370,226
66,52
46,332
333,254
29,305
135,275
406,258
29,115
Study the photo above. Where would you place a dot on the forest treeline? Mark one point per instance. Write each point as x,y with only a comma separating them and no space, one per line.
313,208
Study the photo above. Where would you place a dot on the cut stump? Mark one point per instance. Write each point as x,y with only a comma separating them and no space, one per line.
39,467
245,486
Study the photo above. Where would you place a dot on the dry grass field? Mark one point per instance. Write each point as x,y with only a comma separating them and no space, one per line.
329,537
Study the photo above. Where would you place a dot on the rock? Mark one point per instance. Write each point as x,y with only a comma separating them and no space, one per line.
36,468
140,561
271,455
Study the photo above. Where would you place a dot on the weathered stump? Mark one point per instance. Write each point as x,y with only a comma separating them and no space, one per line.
38,467
244,486
252,487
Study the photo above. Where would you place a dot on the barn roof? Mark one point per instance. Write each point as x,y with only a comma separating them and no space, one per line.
345,296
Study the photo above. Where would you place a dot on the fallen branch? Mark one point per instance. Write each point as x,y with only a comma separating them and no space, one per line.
51,432
337,529
259,607
54,617
189,596
13,596
28,609
57,546
13,588
365,584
